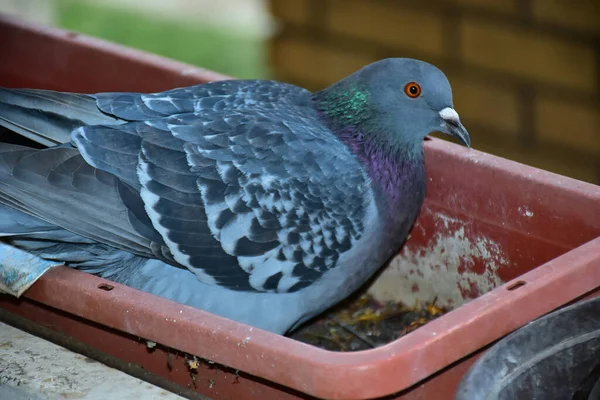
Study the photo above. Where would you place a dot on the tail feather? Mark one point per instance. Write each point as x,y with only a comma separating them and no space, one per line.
49,117
54,243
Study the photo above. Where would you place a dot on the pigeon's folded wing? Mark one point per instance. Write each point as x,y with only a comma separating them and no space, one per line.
58,186
247,192
246,200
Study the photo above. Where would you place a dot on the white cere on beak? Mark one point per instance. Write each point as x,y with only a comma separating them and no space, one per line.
450,115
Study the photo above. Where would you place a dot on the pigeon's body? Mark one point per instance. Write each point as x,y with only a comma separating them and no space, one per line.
255,200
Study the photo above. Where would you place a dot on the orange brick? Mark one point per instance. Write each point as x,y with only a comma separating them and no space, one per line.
388,23
528,54
485,103
295,11
317,63
569,124
504,6
583,15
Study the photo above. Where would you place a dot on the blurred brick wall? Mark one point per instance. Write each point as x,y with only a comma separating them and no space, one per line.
525,73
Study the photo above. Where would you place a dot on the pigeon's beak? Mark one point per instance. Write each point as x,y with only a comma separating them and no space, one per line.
452,126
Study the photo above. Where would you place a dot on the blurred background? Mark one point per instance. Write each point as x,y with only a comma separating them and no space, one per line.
525,73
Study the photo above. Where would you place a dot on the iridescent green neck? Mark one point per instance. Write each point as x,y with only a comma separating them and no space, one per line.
344,104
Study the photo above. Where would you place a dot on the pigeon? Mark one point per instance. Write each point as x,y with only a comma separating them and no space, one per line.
255,200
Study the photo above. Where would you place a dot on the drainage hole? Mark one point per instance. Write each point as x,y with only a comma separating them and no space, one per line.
516,285
106,287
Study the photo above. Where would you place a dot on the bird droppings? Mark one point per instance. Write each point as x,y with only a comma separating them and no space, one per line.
445,270
193,364
472,156
525,212
150,344
419,285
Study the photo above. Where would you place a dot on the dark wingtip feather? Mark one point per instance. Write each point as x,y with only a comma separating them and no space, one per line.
48,117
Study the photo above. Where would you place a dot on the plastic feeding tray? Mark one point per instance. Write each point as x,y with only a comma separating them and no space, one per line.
498,243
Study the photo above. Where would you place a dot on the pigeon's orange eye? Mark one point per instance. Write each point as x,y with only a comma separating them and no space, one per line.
412,89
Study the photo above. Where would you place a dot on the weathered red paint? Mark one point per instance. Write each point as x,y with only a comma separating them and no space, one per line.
554,249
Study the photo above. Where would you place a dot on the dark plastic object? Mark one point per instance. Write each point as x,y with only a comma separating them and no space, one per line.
554,357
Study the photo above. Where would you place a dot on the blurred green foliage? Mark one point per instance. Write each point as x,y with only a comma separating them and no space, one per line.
230,53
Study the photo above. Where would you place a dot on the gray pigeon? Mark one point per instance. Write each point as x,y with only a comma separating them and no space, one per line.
255,200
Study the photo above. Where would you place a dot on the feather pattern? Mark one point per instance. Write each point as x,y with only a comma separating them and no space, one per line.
220,179
252,200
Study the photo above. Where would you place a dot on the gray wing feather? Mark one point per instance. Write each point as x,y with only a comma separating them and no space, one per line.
234,180
214,96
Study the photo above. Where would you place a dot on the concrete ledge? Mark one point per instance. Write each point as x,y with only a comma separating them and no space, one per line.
35,369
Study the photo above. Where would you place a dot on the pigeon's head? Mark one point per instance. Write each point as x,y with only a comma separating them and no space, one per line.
398,100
